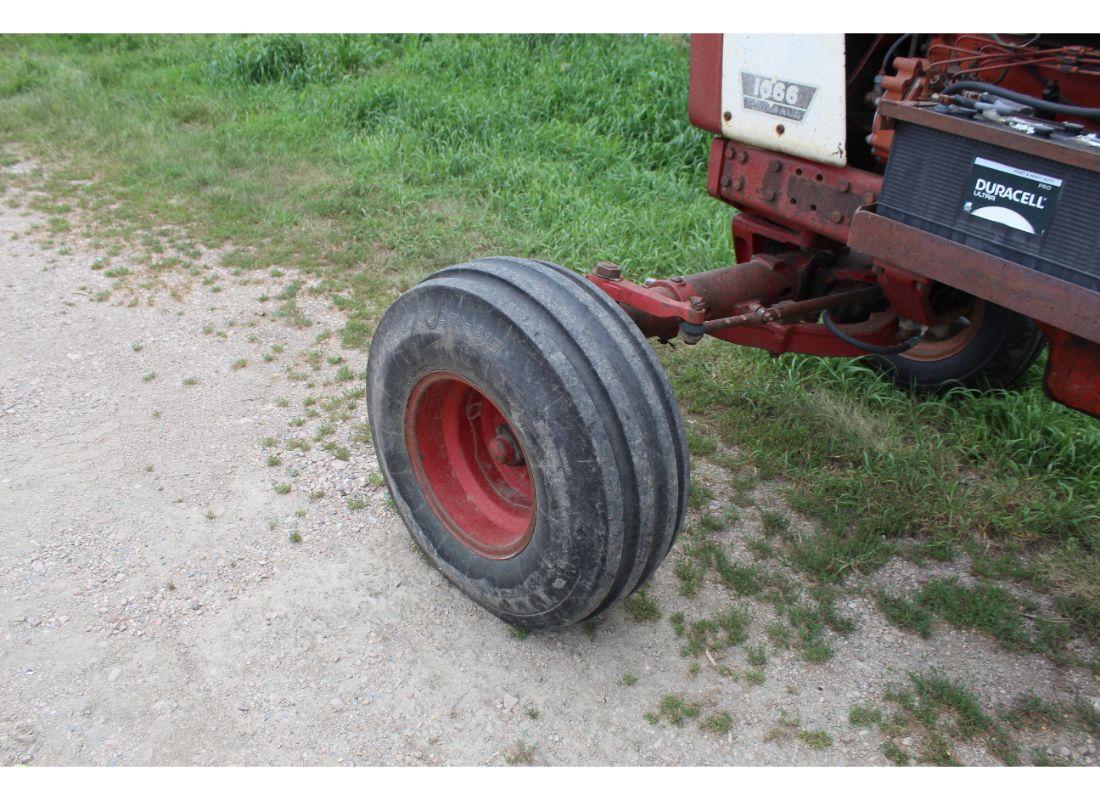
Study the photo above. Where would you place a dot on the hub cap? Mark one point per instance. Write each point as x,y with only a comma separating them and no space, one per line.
470,465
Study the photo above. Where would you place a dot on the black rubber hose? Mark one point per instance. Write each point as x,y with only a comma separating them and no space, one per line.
1023,99
893,49
870,348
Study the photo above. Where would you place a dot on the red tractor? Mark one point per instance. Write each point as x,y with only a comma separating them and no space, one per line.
932,200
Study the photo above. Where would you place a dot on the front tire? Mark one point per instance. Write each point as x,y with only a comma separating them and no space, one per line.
529,438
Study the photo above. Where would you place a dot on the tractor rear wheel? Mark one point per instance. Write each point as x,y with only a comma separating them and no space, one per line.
529,438
988,346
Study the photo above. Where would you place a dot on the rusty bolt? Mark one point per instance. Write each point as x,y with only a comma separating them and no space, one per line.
774,165
503,448
609,271
739,184
843,185
726,181
727,115
742,156
769,194
836,217
868,197
697,303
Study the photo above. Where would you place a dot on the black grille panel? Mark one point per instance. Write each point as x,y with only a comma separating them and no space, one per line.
928,178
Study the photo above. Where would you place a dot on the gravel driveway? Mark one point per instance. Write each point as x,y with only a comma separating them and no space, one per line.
162,603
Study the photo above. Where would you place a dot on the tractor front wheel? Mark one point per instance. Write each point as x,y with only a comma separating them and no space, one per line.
529,438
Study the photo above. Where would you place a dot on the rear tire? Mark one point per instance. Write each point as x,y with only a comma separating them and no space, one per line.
994,350
529,438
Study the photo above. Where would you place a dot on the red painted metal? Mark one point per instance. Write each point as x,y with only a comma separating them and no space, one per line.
791,208
814,201
705,82
813,338
470,465
1073,371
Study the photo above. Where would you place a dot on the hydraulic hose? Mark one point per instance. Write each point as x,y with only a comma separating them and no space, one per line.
1024,99
865,346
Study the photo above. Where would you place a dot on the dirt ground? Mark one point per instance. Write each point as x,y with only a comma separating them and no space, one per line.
161,603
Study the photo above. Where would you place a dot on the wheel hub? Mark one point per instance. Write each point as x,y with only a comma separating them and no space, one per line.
470,465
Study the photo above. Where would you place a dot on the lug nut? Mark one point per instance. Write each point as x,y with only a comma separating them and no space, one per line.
503,448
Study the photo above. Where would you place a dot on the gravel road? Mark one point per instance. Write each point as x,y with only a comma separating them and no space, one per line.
162,603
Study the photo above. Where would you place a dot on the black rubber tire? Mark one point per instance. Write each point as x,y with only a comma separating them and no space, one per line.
1005,345
592,406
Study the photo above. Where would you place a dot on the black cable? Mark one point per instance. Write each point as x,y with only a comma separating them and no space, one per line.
893,49
1023,99
870,348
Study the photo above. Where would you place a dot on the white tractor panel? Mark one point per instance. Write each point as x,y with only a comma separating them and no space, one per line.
785,92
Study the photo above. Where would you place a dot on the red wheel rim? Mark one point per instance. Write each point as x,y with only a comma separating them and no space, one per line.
938,349
470,464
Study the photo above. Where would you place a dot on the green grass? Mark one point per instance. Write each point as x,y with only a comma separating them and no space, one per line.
981,607
941,711
368,162
642,607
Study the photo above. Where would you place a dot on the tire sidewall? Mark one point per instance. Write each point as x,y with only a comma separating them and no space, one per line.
570,557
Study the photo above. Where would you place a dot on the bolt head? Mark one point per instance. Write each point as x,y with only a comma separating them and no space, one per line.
727,115
843,185
836,217
769,194
609,271
869,197
742,156
774,165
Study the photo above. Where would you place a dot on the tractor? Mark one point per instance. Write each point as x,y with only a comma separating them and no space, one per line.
931,201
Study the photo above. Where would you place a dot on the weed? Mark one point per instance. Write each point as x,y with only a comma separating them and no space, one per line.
817,740
676,711
522,755
642,607
864,716
282,488
240,363
628,679
905,613
757,655
295,537
721,723
894,754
